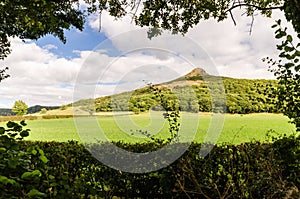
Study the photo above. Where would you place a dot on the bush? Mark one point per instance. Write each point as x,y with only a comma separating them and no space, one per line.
17,118
56,116
67,170
251,170
21,168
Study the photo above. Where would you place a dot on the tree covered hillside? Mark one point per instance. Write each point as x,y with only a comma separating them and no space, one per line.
242,96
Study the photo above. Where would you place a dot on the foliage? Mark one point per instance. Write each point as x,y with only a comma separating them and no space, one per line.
21,168
43,111
56,116
287,71
19,108
35,19
171,110
38,108
63,107
60,170
180,16
249,170
242,96
292,13
6,112
3,74
30,110
17,118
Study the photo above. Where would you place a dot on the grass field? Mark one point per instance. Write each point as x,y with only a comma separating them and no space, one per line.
236,129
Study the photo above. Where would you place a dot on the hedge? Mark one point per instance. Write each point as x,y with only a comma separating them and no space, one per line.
67,170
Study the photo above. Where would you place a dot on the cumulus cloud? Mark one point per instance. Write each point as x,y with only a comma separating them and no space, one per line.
234,51
37,76
40,77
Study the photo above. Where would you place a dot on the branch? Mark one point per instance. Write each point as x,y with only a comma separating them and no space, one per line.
254,6
232,17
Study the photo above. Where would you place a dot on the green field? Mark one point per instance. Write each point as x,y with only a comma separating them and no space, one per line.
236,129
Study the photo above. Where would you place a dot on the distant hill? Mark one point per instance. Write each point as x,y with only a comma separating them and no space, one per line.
30,110
6,112
38,108
242,95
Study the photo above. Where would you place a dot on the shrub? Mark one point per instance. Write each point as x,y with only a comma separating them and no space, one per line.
67,170
250,170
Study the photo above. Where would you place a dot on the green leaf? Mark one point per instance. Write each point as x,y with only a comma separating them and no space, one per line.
2,149
278,21
26,175
2,130
35,193
12,164
44,159
273,26
23,123
10,124
4,180
289,38
41,152
51,177
33,152
29,175
36,173
278,36
24,133
288,65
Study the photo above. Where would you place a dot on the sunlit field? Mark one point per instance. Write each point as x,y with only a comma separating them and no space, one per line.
129,128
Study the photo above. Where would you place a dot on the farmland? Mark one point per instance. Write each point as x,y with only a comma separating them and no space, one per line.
237,128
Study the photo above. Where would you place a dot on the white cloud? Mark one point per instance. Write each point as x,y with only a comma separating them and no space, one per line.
234,52
50,47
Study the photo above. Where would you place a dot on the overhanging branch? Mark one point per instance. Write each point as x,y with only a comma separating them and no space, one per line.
254,6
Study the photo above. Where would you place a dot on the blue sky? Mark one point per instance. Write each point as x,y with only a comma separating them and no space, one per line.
47,71
76,41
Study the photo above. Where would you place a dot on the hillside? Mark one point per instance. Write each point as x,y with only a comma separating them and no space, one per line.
30,110
242,95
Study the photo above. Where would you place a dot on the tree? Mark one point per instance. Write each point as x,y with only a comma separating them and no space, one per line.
43,111
20,108
35,19
180,16
287,71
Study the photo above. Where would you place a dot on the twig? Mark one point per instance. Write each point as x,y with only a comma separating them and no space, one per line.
137,7
232,17
251,25
254,6
100,20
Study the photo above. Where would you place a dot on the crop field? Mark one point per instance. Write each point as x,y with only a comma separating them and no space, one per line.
131,128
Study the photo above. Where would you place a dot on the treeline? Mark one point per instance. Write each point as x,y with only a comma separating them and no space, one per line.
30,110
241,96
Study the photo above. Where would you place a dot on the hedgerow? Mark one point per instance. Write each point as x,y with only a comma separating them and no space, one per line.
68,170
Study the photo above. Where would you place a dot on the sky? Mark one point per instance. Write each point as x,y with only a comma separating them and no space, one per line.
120,57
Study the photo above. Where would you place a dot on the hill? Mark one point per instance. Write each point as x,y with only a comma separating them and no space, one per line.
30,110
242,95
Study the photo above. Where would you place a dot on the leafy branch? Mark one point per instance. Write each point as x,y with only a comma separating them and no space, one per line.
287,71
